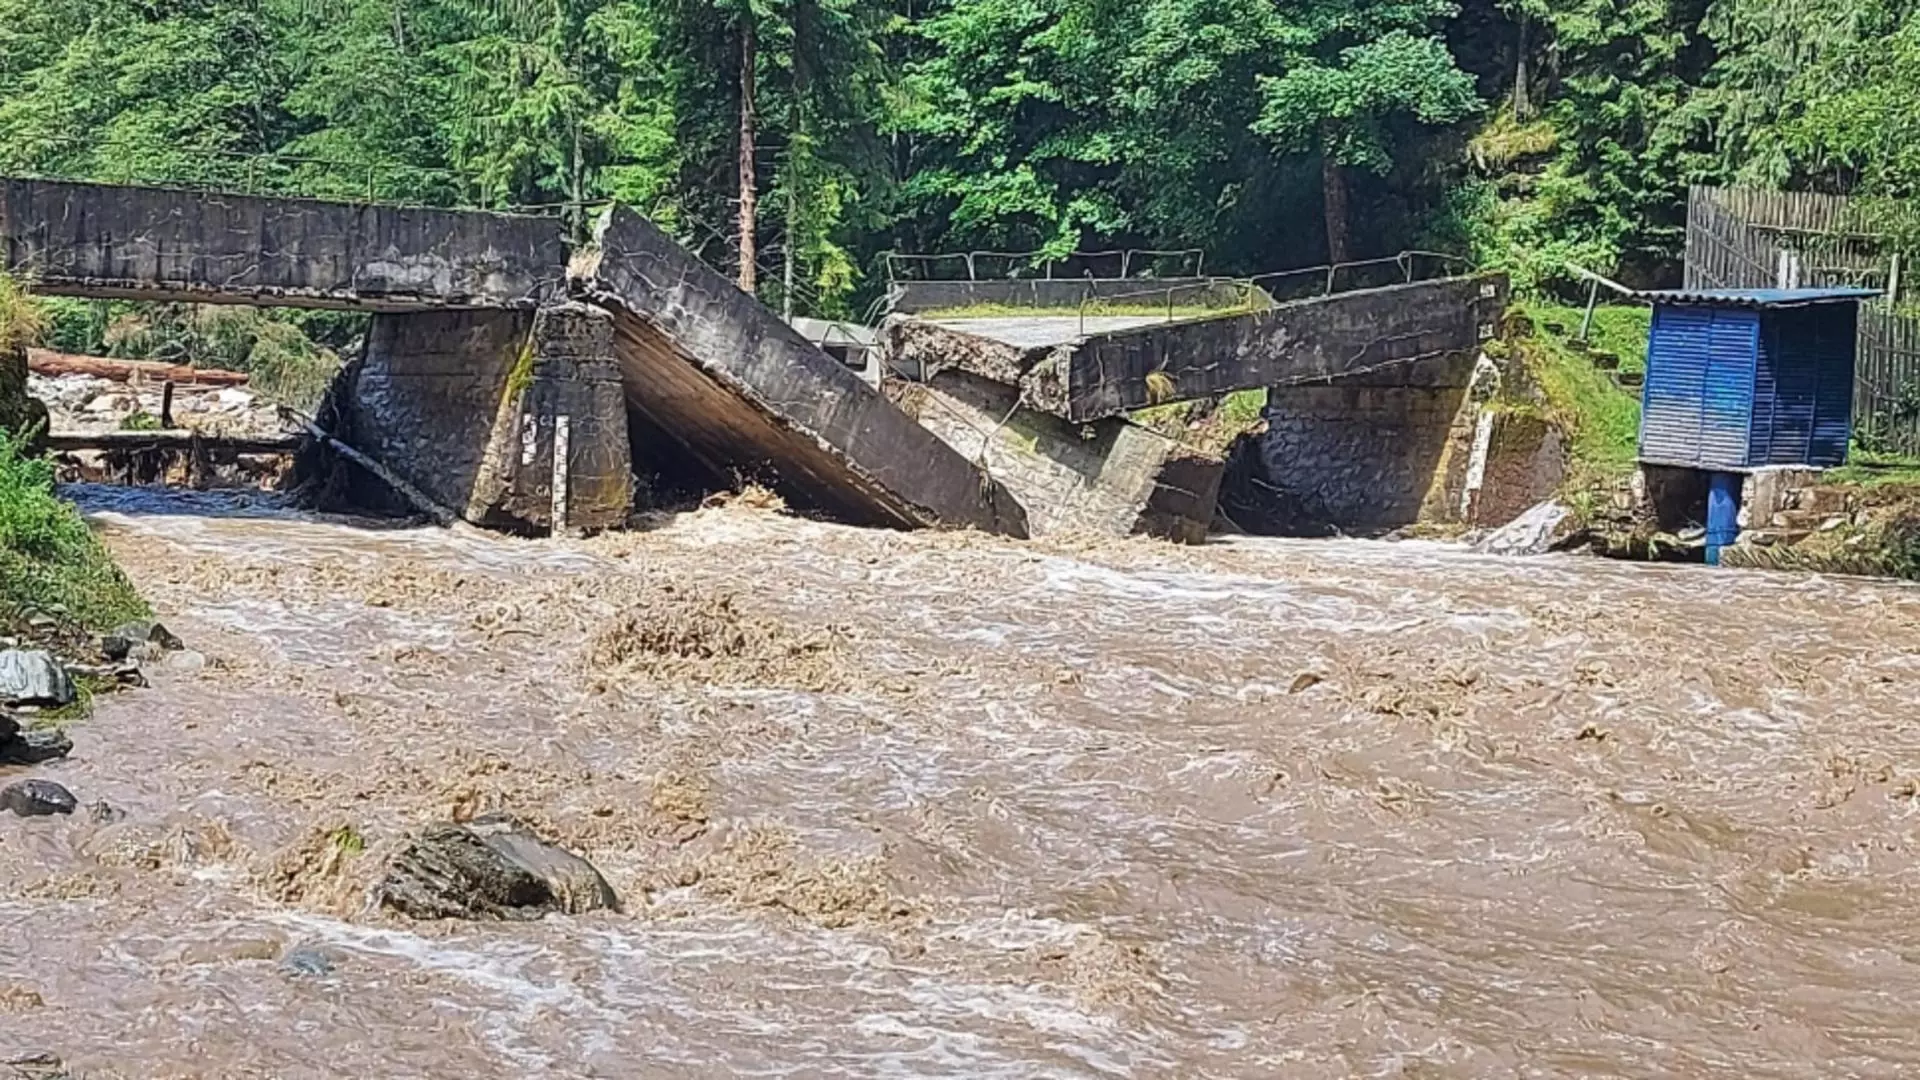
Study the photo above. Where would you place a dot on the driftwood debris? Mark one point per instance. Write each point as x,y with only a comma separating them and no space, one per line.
48,362
171,439
418,499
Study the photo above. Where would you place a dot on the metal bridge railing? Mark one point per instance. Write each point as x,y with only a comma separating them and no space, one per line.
1040,264
1256,297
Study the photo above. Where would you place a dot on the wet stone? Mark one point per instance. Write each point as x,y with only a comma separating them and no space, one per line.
492,868
34,747
37,798
306,963
33,677
102,812
139,641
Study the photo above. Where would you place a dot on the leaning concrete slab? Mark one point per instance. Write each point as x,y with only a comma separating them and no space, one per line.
1111,371
1111,478
143,243
743,392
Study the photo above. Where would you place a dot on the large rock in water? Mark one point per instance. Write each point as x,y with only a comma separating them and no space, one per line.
33,677
493,868
37,798
31,747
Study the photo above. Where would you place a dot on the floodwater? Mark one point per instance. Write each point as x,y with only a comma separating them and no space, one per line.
951,806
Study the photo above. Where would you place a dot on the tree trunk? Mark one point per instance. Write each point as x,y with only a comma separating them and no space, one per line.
793,205
749,194
1522,107
576,211
1333,190
47,362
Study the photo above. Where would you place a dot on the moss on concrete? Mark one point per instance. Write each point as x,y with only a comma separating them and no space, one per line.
1208,426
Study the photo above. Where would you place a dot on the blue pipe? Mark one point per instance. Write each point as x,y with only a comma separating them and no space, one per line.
1723,513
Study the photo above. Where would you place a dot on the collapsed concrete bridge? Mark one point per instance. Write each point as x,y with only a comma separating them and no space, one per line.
485,383
518,382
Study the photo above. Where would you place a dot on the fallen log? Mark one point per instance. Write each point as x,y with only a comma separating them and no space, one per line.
171,439
48,362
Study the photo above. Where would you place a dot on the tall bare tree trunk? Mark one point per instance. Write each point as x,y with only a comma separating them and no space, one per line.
1522,105
1333,192
792,181
749,184
576,211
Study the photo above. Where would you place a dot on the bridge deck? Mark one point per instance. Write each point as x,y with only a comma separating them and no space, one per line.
1120,364
135,243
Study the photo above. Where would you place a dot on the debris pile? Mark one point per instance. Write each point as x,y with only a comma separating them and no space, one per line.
105,401
685,636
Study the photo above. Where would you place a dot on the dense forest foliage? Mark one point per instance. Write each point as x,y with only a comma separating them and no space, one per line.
793,141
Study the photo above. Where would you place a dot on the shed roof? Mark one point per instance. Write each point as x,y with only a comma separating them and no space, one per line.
1756,298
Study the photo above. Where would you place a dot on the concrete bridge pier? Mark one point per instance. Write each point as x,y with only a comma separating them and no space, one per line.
475,407
1363,452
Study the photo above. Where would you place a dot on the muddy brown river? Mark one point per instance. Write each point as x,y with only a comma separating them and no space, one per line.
931,805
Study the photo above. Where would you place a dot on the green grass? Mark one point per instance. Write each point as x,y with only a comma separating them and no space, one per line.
1867,469
1618,330
54,573
1507,140
1202,424
1603,419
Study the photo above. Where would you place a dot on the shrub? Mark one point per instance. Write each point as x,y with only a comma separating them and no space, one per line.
50,561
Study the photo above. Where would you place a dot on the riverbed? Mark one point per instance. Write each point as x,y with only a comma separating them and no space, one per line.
885,804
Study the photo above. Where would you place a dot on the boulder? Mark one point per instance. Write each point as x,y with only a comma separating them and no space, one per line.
306,963
139,641
34,747
492,868
37,798
1534,532
33,677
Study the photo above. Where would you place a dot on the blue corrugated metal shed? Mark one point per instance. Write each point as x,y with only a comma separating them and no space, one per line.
1742,378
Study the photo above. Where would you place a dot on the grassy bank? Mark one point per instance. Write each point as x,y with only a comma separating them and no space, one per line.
1601,418
55,576
57,581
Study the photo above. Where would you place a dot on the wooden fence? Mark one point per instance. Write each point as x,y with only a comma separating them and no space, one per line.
1739,238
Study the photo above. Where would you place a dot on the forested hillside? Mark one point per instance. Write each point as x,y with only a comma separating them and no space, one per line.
1271,133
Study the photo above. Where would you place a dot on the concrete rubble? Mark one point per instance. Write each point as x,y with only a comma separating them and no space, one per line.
1534,532
1112,478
